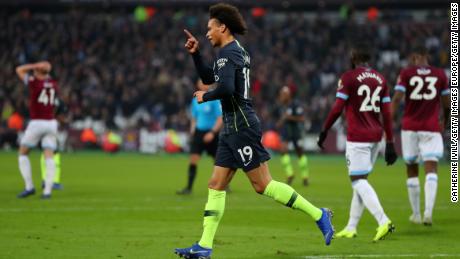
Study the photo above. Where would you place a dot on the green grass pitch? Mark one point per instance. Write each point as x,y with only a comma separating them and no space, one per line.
124,206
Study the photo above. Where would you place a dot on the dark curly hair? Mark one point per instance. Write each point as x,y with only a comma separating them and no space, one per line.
230,16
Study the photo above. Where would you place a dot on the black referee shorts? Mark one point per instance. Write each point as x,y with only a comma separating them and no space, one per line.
242,149
198,145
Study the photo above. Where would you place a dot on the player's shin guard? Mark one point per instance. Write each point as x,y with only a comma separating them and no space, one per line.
50,171
431,187
26,171
286,162
286,195
213,212
303,165
413,189
370,200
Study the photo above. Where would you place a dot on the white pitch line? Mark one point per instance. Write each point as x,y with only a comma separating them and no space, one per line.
378,256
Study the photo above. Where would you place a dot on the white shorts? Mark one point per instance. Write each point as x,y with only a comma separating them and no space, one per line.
426,145
361,157
44,130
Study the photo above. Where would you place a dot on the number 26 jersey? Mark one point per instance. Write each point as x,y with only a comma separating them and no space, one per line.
365,91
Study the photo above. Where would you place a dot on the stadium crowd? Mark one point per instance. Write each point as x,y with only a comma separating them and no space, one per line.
125,73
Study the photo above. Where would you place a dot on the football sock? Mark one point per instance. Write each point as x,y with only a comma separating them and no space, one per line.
191,176
26,172
213,212
431,186
57,162
356,211
286,162
286,195
50,170
370,200
303,165
413,189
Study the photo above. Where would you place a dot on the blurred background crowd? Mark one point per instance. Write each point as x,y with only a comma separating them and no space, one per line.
126,68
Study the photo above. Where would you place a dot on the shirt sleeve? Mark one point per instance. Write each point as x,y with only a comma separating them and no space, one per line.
401,83
343,88
445,90
226,72
204,70
386,94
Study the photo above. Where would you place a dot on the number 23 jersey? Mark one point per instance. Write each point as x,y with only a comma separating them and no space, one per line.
364,91
423,87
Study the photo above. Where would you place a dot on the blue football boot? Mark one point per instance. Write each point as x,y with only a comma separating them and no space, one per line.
325,225
195,251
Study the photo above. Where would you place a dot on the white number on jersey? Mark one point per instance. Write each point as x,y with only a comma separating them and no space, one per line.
45,98
247,84
370,99
246,151
419,83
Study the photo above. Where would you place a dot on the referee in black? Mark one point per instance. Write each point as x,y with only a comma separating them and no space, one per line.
204,129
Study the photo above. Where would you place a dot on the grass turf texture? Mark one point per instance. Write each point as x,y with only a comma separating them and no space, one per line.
124,206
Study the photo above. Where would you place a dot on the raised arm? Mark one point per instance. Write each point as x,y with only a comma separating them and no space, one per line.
204,70
22,70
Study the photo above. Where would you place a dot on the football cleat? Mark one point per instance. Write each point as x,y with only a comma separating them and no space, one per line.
45,196
427,221
325,225
346,234
416,219
195,251
384,230
185,191
26,193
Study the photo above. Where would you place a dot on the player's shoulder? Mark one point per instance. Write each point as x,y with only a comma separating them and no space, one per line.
234,52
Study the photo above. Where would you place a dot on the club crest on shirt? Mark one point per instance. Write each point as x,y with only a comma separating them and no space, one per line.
221,62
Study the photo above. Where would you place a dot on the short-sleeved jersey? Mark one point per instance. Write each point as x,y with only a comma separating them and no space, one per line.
237,108
205,114
365,91
423,86
294,108
42,98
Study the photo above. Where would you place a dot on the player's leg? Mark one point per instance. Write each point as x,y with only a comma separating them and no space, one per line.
191,174
196,150
286,162
26,172
263,183
57,175
361,157
431,149
409,141
303,162
30,139
49,144
356,211
214,210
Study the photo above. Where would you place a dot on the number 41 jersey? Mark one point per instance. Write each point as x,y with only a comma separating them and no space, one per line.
365,91
42,95
423,86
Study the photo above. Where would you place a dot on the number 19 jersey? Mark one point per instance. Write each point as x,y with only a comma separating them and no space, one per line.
42,95
423,86
364,90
